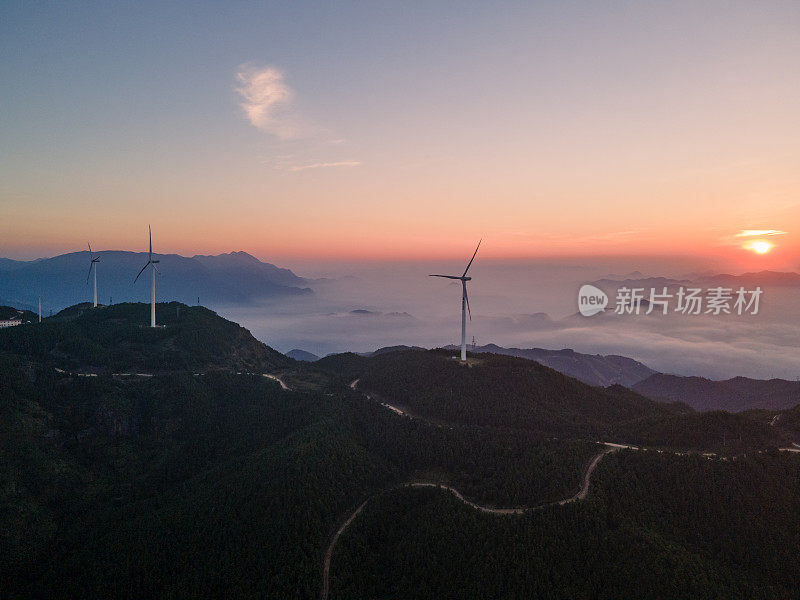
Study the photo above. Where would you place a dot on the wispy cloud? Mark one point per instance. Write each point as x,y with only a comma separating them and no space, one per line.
343,163
759,232
266,101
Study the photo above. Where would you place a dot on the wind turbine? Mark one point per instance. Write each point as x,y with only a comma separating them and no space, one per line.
464,302
93,267
151,263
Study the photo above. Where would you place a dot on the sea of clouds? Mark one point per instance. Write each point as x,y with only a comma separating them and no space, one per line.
362,307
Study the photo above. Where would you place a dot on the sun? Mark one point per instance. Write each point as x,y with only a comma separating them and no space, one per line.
759,246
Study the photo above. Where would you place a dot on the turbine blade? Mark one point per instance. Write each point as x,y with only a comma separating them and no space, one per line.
466,297
155,267
473,258
142,271
150,231
446,276
90,249
91,264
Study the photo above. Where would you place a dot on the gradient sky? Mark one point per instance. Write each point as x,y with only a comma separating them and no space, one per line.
388,130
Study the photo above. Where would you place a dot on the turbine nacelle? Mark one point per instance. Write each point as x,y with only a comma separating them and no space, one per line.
93,260
150,260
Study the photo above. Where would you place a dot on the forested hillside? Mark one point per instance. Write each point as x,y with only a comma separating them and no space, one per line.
654,526
204,481
495,390
9,312
118,339
220,484
517,393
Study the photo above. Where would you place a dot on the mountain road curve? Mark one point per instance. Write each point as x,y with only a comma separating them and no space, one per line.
609,447
580,495
284,386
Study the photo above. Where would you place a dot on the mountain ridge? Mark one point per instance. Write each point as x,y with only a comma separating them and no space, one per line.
593,369
236,277
736,394
117,339
764,278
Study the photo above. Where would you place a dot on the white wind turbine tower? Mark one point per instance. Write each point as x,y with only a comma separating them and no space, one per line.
93,267
151,263
464,302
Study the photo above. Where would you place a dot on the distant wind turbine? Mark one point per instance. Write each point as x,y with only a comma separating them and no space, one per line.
464,302
151,263
93,267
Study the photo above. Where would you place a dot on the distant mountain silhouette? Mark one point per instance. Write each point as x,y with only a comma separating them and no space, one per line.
734,395
594,369
362,312
748,280
302,355
237,277
640,282
242,262
385,349
7,264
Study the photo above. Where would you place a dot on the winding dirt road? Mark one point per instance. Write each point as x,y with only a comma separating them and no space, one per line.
279,380
329,552
394,409
588,475
580,495
326,567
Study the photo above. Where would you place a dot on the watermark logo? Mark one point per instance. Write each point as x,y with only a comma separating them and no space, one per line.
683,300
591,300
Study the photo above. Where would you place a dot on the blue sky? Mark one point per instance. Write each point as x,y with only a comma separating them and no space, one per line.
477,119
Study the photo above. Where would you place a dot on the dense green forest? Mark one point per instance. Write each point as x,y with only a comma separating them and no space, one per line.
654,526
205,481
523,393
113,339
198,485
9,312
517,393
